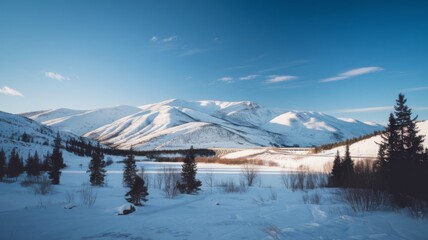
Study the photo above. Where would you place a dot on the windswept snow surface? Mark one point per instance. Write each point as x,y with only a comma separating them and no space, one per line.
211,214
170,124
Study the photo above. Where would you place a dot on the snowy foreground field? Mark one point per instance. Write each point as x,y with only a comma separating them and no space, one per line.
265,211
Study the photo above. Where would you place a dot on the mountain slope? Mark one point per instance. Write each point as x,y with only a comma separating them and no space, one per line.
41,137
178,124
80,122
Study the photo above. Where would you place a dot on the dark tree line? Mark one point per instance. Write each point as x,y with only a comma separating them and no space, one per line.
345,142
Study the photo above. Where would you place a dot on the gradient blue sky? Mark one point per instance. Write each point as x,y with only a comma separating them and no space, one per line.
345,58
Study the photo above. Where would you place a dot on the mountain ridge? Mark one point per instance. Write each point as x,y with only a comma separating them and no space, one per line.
177,123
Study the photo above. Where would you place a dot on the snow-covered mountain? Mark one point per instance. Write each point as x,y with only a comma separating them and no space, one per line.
178,124
39,137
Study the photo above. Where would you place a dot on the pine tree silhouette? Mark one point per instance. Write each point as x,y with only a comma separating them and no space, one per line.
96,168
189,184
129,170
138,192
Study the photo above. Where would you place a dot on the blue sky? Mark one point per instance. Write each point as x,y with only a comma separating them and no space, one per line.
344,58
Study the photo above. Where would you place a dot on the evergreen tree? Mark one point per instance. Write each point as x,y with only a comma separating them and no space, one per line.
96,168
336,172
129,170
347,168
3,166
138,192
189,184
32,165
56,162
402,166
46,162
13,167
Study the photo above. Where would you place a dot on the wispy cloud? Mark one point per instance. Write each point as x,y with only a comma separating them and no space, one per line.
352,73
56,76
169,39
369,109
154,39
226,79
280,78
10,92
191,52
416,89
249,77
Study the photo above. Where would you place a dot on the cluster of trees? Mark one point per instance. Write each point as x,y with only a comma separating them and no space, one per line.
343,170
79,147
52,164
157,154
402,165
138,190
345,142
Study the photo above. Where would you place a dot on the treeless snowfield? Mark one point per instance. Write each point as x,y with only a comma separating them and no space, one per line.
265,211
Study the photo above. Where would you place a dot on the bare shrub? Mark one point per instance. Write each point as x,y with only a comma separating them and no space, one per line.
171,177
69,197
29,180
361,200
273,195
229,186
159,180
209,179
285,179
43,186
250,171
303,180
88,196
311,198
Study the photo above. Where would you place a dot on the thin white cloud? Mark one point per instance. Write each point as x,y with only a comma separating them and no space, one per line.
249,77
226,79
10,92
420,108
154,39
416,89
369,109
191,52
169,39
280,78
352,73
56,76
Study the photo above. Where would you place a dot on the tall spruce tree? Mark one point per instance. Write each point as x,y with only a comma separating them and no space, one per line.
97,167
189,184
3,166
138,192
336,172
403,166
129,170
347,167
14,165
56,161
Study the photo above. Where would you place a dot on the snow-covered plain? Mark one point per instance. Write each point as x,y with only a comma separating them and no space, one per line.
253,214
